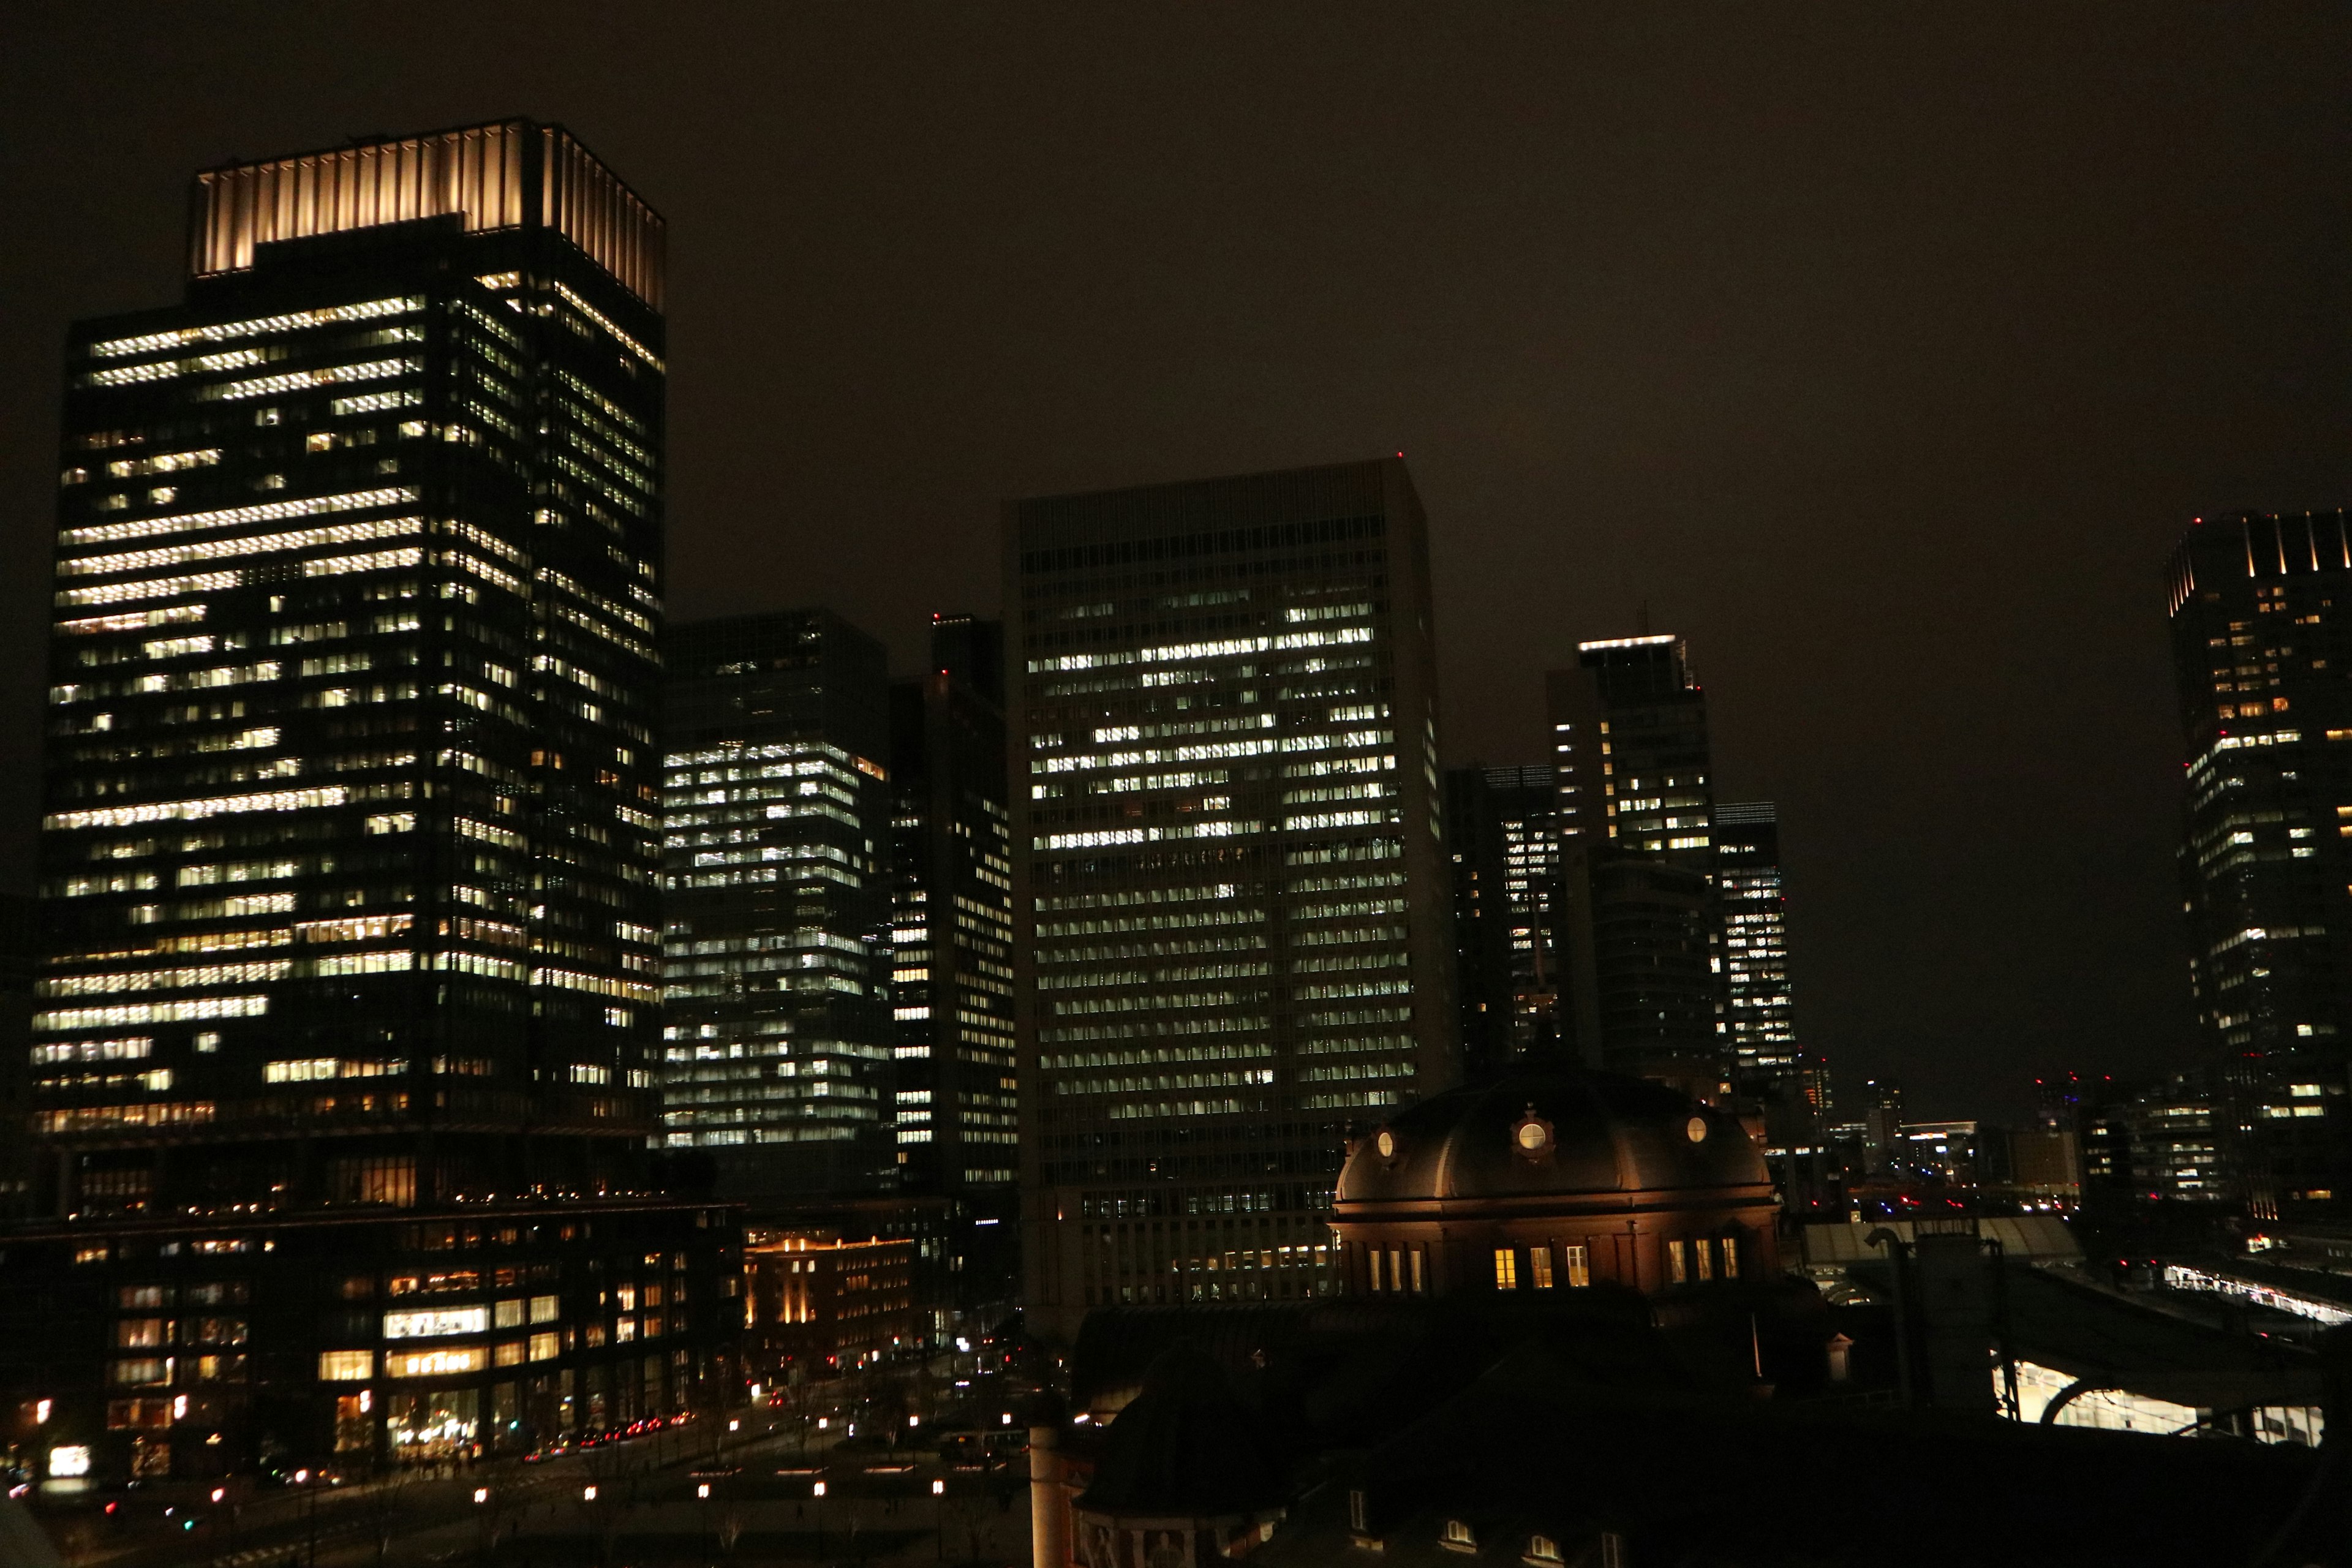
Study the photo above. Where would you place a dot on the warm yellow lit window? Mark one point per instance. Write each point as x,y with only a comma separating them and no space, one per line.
1415,1256
346,1366
1703,1251
1677,1266
1731,1257
1507,1268
1580,1269
435,1363
1540,1266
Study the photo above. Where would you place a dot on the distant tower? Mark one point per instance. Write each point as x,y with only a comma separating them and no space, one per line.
776,1016
1754,909
1636,798
1503,838
1231,902
2260,660
957,1122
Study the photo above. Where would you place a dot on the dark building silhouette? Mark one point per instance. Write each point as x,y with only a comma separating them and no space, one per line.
2261,659
1231,911
957,1100
1503,836
345,1038
19,966
957,1107
1638,900
777,1035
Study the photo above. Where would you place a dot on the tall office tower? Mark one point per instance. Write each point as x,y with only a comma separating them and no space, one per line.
348,866
1755,917
958,1123
1503,836
1630,736
775,998
958,1127
1630,739
1230,901
2260,657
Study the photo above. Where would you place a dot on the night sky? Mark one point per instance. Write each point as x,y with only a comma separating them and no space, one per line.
1882,351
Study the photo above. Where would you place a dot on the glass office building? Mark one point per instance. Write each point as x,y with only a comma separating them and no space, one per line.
1636,800
1231,898
776,1030
1754,911
349,854
2259,654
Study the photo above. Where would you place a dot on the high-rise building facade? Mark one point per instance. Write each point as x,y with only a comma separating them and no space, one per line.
1503,841
348,865
1636,800
344,1039
1629,740
956,1093
1231,905
776,995
2260,657
1754,911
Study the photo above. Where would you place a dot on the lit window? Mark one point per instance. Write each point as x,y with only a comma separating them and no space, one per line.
1677,1264
435,1323
1507,1268
346,1366
1539,1267
1580,1270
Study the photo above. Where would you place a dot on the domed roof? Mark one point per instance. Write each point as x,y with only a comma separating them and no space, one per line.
1537,1133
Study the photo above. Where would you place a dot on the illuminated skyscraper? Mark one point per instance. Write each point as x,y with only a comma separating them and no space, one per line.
1231,903
348,865
1636,795
776,1004
344,1045
1755,919
2260,659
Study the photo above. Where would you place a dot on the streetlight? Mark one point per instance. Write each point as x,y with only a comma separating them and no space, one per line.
481,1494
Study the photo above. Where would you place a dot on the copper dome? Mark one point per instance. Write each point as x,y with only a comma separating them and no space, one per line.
1533,1135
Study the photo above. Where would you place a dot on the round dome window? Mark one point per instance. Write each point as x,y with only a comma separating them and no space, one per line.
1695,1128
1386,1144
1532,1135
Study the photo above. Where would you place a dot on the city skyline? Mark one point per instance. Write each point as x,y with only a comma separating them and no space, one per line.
1742,478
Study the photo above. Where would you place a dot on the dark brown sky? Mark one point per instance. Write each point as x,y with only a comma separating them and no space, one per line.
1881,349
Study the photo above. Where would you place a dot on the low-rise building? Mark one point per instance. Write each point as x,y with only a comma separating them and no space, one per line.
228,1344
820,1304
